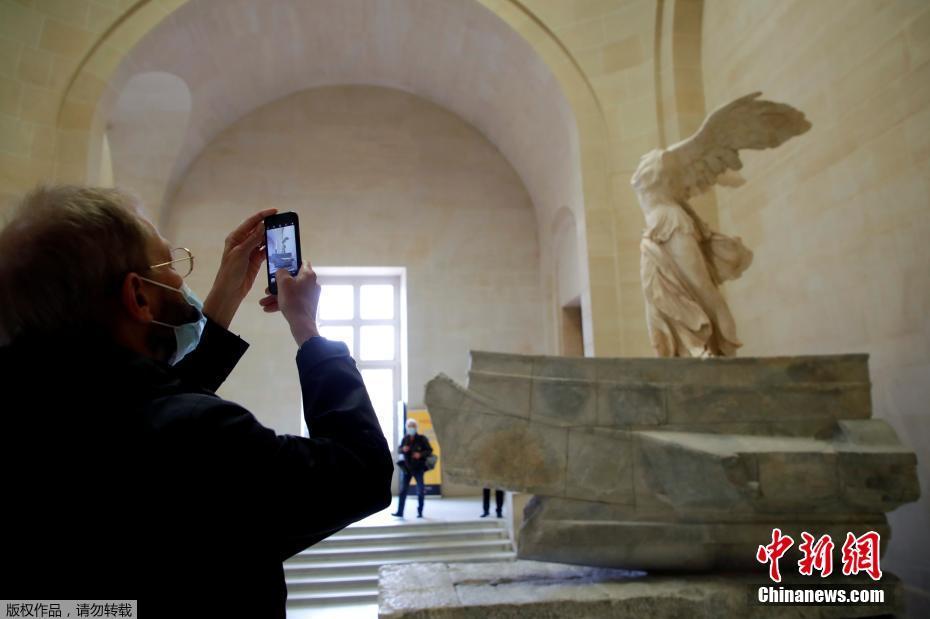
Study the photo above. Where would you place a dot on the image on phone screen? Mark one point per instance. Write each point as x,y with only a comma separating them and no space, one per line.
282,250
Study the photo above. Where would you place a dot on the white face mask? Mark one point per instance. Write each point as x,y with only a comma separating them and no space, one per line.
187,336
411,430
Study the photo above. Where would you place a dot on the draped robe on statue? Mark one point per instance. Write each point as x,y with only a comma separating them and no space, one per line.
682,264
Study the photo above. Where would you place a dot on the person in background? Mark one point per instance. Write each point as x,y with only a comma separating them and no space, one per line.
124,475
486,502
414,448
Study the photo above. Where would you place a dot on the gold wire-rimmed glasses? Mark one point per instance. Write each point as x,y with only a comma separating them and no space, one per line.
183,258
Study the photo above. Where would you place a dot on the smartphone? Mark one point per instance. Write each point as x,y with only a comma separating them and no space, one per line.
282,239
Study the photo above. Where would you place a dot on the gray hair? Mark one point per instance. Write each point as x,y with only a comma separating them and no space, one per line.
63,255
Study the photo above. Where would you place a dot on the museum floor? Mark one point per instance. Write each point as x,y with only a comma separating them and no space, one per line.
445,515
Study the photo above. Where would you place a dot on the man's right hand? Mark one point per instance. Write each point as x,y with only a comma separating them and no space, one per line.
297,298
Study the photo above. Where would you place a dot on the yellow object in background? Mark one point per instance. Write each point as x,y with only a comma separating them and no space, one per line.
432,479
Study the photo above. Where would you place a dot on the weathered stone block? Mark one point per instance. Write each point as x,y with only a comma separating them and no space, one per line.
712,403
487,447
450,396
534,589
823,428
564,368
757,371
794,481
866,432
621,405
876,480
509,393
687,473
600,466
580,529
504,451
564,402
502,363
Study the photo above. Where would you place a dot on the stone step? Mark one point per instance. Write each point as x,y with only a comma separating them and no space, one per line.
414,524
339,598
312,584
348,570
421,551
370,566
404,535
342,570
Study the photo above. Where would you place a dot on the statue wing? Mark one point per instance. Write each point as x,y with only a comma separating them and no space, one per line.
747,122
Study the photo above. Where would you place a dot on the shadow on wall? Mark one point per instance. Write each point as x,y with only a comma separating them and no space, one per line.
145,133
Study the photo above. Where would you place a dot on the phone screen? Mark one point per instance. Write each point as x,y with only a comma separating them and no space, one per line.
281,241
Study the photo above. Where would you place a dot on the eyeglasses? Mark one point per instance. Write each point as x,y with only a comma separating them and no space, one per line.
181,256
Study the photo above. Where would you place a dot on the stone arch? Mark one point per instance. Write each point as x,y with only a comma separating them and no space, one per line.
95,87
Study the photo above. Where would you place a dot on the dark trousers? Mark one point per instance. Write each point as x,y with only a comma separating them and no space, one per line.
498,498
405,478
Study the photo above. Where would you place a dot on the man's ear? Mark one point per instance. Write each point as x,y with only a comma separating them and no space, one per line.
135,301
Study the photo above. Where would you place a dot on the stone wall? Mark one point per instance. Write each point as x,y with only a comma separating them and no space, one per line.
379,178
613,44
41,46
839,218
60,72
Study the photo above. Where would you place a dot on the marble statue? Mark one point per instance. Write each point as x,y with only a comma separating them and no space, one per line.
683,261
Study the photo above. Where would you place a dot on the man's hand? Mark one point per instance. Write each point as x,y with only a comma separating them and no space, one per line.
416,455
242,258
297,298
406,448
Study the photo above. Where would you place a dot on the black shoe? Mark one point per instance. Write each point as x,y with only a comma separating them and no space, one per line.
398,515
420,515
485,515
500,515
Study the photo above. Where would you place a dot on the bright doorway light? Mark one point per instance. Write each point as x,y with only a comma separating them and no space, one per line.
366,309
336,302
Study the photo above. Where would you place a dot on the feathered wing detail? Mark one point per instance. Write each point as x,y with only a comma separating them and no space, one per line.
747,122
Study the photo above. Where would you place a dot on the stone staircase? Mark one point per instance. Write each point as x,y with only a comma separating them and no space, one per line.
343,569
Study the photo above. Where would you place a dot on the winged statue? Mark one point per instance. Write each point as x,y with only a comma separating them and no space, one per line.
684,262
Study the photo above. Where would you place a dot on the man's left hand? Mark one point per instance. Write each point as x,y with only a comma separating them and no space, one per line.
416,455
243,254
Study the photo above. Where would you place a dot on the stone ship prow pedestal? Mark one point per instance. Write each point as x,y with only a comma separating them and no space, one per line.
675,464
659,479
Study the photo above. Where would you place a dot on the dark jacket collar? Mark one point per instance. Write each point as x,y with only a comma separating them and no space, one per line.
69,360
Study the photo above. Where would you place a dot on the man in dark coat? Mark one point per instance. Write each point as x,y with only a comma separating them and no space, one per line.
124,476
414,449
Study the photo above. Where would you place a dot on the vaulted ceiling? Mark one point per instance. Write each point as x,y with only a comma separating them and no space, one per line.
237,55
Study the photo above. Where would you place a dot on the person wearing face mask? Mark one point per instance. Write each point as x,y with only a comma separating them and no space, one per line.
187,334
124,475
414,448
